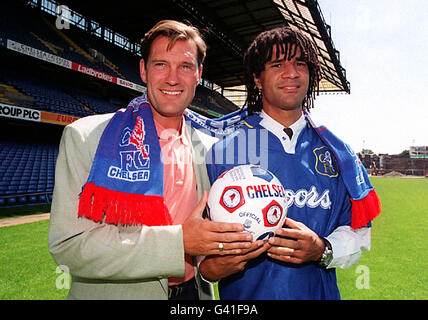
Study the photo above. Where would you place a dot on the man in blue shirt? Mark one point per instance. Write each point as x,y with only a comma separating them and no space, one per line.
282,74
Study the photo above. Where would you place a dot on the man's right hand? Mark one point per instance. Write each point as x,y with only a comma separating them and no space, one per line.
202,237
215,267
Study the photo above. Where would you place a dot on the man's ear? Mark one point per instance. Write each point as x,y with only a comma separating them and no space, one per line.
143,72
257,82
200,73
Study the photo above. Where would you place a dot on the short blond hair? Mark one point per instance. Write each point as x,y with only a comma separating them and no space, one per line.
174,30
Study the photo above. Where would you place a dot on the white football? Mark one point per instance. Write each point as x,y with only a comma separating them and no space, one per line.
250,195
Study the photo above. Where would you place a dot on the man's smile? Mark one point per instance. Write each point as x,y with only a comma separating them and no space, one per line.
171,92
289,87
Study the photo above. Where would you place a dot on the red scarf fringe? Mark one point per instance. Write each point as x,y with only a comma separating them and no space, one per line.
101,204
365,210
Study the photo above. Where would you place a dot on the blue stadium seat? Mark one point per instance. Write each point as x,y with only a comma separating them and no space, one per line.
22,199
11,201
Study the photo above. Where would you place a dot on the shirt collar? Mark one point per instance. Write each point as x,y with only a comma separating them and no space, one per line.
171,134
277,129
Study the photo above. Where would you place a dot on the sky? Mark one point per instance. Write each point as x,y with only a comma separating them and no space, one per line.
383,46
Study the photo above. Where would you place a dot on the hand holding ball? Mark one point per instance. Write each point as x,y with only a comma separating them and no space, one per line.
250,195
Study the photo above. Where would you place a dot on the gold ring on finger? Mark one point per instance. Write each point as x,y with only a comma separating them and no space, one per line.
220,246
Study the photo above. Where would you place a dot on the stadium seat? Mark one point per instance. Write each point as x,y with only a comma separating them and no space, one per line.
11,201
43,198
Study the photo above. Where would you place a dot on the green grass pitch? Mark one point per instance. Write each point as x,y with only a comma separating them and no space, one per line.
394,268
397,263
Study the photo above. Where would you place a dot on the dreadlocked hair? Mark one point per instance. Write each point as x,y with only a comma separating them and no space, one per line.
260,52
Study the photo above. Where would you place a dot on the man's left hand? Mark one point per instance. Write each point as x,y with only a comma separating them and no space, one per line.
304,245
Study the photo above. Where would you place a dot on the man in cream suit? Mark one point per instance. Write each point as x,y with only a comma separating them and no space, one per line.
114,261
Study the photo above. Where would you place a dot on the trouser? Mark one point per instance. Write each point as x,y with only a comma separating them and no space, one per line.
184,291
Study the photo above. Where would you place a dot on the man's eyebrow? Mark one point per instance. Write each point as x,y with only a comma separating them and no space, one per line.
157,60
185,62
190,63
276,61
300,58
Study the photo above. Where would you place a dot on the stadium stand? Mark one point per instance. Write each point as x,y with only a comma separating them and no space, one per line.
27,168
28,153
37,30
47,94
79,47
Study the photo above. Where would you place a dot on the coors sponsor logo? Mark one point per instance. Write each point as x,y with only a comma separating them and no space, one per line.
310,198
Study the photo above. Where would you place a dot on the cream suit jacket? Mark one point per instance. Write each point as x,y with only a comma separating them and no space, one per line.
108,261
